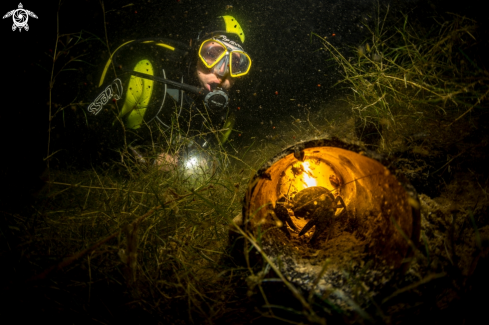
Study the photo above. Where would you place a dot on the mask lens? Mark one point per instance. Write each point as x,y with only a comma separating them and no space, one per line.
236,62
211,52
240,63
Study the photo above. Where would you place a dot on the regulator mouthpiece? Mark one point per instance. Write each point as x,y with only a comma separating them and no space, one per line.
216,99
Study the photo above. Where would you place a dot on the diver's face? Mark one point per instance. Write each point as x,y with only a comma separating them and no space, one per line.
207,77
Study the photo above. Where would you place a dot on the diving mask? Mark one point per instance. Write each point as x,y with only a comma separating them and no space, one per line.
223,57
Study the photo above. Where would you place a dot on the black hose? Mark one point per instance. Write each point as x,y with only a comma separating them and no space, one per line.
196,90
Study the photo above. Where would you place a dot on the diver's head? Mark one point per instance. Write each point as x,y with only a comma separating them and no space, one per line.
210,78
221,57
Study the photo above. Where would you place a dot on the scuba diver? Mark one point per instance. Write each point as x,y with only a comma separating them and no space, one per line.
142,87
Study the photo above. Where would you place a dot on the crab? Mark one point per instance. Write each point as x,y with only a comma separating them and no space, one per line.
283,215
315,204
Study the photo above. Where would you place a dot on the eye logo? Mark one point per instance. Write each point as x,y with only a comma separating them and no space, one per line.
20,17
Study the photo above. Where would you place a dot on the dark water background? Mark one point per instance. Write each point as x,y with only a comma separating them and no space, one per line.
278,38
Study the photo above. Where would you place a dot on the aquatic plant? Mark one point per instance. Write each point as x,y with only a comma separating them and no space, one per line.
405,71
68,55
146,241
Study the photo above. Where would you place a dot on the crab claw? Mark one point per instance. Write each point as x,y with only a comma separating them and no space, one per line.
308,226
320,223
283,215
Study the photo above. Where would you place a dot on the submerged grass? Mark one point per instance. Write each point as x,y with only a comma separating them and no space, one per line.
406,71
148,241
160,236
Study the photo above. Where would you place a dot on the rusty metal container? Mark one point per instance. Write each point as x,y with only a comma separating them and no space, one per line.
380,225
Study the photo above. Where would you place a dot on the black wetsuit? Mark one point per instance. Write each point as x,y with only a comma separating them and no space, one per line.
167,107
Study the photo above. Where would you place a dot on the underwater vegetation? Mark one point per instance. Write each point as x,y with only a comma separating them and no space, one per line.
405,72
141,239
